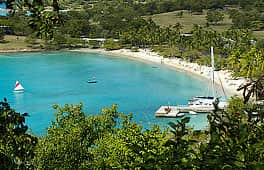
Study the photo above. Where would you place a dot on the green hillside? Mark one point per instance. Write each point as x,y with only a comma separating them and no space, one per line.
188,19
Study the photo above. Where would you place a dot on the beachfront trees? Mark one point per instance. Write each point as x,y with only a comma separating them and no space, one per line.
248,64
234,62
214,16
237,39
111,44
116,19
16,145
252,63
203,38
75,24
42,22
253,88
141,33
2,35
112,17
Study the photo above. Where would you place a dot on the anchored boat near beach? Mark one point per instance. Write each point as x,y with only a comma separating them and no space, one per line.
18,88
198,104
92,80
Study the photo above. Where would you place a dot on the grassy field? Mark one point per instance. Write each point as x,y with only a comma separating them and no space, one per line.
259,34
187,20
13,42
18,43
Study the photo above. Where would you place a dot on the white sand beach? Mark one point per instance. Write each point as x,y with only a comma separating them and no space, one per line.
222,78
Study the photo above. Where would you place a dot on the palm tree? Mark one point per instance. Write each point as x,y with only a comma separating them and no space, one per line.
234,61
252,66
252,63
253,88
197,36
41,22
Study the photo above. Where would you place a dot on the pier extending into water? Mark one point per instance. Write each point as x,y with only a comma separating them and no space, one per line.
176,111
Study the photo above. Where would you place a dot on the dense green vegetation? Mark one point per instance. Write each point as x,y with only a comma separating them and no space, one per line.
109,18
110,140
16,145
123,20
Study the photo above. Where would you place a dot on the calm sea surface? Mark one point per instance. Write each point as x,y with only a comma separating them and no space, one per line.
61,77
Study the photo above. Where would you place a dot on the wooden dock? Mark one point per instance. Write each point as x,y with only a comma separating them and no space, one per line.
175,111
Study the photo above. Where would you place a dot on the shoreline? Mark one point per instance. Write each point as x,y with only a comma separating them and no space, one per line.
23,50
223,78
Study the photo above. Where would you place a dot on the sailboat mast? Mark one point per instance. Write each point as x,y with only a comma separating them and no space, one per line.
212,71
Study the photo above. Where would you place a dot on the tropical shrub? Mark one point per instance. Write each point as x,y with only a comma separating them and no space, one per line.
71,137
16,145
110,44
236,138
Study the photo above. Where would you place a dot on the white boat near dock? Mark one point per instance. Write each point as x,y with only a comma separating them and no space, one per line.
192,112
198,104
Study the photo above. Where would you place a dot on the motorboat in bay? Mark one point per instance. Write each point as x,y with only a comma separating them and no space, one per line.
92,80
180,114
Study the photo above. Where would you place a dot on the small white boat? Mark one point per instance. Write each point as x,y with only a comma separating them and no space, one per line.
180,115
192,112
92,80
18,88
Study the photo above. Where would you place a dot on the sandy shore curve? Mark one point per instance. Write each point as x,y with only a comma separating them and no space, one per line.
223,77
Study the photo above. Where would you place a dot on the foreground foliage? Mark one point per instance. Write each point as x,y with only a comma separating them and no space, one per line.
236,138
111,140
16,145
108,140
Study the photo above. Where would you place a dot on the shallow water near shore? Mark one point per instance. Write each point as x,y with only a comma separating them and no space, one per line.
61,77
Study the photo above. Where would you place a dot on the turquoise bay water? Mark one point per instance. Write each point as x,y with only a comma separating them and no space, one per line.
61,77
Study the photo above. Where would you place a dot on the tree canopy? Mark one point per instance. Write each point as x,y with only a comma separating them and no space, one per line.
111,140
16,145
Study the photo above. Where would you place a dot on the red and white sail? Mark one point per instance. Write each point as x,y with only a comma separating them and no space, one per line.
18,87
